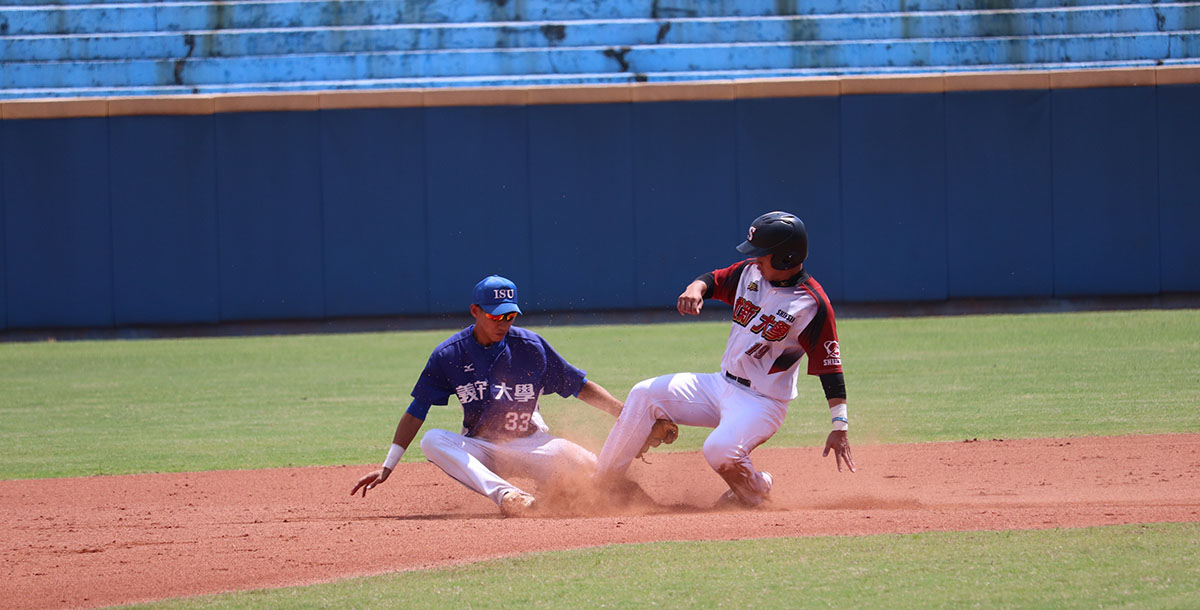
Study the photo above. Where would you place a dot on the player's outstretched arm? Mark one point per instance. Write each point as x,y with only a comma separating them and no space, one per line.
594,394
692,300
406,431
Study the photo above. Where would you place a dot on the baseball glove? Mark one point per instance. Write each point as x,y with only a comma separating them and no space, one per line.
664,431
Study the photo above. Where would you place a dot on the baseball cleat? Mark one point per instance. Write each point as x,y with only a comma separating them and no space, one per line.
517,504
729,499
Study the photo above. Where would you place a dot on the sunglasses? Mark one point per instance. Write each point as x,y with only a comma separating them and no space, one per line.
504,317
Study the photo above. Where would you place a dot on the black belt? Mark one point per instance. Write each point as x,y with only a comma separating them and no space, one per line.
745,382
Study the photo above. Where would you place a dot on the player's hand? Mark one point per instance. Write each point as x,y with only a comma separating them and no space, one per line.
691,301
839,441
370,480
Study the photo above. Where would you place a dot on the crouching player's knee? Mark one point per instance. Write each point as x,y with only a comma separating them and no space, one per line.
638,399
435,443
721,456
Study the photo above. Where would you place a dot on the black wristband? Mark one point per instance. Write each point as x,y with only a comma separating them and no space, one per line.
709,281
834,385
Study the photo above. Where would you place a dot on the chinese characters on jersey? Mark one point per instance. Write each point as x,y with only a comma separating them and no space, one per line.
470,392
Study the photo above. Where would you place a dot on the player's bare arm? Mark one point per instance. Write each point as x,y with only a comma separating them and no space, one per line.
406,431
594,394
839,442
692,300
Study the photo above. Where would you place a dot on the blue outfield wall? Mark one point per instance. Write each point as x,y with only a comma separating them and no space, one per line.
789,159
373,192
477,196
1106,200
894,197
271,229
999,178
684,194
1179,186
3,242
582,201
164,219
58,230
398,211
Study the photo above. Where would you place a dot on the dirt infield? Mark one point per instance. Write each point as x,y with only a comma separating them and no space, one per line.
71,543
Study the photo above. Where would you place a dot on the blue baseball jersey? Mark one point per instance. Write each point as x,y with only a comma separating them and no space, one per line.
499,385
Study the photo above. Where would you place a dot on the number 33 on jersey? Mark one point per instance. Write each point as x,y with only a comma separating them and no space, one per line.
498,385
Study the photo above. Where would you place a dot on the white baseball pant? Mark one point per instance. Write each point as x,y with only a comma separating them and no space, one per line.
741,418
484,466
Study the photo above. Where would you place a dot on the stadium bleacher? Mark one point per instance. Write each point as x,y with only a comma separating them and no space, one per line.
88,48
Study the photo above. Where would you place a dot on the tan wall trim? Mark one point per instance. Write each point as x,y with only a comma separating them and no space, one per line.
821,86
42,109
1076,79
48,108
581,94
267,102
1178,75
684,92
183,104
875,84
997,81
339,100
476,96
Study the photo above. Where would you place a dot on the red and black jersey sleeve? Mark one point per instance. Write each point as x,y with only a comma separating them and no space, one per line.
723,283
819,338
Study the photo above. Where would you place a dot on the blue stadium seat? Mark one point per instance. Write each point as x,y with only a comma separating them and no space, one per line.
94,48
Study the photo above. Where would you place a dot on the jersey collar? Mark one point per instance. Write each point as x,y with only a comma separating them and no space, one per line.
487,349
799,278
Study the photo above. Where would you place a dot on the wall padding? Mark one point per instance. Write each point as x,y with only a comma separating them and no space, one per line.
59,239
685,195
269,210
302,213
582,212
374,225
164,220
788,159
3,244
998,184
894,197
1179,186
1106,219
476,161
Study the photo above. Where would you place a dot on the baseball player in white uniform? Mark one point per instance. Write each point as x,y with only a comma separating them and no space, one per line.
780,314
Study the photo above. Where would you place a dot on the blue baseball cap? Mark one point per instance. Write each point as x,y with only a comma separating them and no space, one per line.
496,295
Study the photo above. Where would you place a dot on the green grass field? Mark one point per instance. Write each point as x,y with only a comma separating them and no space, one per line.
1140,566
115,407
88,408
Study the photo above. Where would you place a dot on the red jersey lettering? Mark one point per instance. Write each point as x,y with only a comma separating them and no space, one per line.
777,332
744,311
763,323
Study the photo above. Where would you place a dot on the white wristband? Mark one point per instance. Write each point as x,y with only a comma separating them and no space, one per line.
838,413
393,456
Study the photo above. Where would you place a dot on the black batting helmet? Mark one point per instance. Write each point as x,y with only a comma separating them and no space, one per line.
777,233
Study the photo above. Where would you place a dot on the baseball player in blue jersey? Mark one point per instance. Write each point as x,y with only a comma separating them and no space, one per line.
497,371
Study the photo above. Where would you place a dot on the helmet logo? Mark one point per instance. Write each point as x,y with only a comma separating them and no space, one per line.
750,236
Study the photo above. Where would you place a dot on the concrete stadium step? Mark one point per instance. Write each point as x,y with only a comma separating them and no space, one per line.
627,32
877,54
86,2
91,18
550,79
